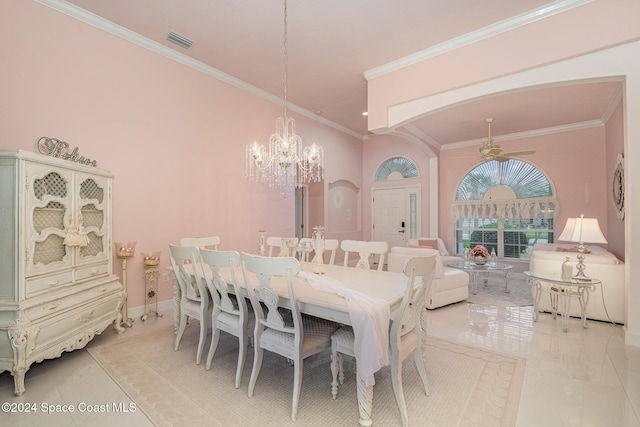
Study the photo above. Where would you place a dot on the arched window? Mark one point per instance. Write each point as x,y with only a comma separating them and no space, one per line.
396,168
507,206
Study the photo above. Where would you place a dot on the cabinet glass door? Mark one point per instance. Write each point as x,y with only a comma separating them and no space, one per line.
91,219
50,198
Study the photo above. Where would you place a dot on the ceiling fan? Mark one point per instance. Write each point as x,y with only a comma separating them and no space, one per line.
492,151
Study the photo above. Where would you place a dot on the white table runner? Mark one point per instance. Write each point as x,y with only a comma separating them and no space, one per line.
370,321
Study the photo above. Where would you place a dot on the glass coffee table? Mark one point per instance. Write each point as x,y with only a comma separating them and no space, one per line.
475,269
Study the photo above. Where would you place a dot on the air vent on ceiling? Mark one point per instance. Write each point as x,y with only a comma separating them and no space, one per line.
179,40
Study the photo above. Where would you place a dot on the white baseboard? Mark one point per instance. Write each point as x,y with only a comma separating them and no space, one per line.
631,338
137,312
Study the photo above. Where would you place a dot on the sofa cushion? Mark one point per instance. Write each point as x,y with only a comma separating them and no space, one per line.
398,256
438,244
422,246
428,242
452,279
596,254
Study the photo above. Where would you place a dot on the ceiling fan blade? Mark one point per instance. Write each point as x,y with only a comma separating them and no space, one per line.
519,153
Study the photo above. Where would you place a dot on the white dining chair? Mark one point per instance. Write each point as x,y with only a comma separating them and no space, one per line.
303,255
405,337
230,313
211,242
291,335
286,246
365,250
194,297
332,246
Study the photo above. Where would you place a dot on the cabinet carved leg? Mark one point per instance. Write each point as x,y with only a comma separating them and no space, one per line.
118,323
19,346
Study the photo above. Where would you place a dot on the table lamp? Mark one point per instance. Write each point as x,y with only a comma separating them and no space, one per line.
582,230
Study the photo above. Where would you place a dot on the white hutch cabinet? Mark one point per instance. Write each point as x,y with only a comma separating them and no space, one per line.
57,290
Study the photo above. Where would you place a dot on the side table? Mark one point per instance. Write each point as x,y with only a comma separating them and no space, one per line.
560,292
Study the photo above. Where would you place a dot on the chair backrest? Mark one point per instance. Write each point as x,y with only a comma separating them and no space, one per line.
302,255
332,246
408,315
258,272
283,245
185,261
218,287
212,242
364,250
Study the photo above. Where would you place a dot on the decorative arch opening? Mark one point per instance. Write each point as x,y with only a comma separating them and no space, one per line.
396,168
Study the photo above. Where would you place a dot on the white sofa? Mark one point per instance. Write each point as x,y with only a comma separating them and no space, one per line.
600,264
449,285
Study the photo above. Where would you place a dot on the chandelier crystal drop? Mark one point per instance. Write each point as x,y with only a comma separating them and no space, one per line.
285,164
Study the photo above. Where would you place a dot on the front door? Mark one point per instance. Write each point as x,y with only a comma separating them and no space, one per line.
396,214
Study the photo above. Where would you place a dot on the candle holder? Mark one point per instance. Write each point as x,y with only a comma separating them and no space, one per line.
124,251
262,246
318,245
151,273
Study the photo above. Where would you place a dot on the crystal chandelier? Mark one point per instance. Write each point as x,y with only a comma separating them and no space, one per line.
285,164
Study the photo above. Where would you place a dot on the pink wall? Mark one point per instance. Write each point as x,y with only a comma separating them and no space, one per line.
614,134
578,179
595,25
173,137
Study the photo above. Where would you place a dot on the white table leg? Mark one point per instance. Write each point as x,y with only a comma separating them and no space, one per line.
536,300
583,297
365,401
506,281
176,303
474,282
564,296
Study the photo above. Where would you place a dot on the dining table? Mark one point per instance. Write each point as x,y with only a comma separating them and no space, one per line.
385,286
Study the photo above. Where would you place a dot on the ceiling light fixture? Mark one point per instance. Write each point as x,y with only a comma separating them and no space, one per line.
285,165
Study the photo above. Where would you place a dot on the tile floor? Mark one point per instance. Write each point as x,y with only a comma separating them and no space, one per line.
586,377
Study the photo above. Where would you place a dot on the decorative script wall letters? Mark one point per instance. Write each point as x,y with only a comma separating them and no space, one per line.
55,148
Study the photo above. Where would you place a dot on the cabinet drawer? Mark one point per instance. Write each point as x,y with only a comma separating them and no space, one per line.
43,283
74,328
54,306
91,272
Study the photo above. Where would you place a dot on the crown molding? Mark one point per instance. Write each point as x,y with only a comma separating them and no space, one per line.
94,20
613,104
423,136
476,36
527,134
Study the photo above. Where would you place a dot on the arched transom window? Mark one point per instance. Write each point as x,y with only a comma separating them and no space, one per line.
506,206
396,168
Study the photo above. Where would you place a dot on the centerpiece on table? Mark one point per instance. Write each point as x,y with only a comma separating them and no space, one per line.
479,254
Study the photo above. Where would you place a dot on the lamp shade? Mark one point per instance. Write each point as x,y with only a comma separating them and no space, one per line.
582,230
